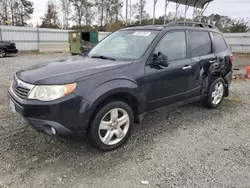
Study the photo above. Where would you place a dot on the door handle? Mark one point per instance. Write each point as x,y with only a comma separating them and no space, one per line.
187,67
212,61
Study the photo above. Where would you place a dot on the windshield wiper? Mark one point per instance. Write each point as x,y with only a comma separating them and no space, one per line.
103,57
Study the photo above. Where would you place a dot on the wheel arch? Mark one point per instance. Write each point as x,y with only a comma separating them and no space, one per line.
123,95
208,80
123,89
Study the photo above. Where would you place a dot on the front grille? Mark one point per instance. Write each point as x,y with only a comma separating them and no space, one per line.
21,92
20,88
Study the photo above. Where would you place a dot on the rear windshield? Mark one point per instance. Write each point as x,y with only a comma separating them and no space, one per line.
129,45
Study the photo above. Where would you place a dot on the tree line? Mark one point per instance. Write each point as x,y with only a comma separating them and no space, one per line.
101,15
15,12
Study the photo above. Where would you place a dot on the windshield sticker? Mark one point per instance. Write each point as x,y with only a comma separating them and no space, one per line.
144,34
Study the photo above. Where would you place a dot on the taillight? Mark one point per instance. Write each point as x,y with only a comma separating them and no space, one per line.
231,57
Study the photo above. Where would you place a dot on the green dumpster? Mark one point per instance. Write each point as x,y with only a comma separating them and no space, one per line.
81,42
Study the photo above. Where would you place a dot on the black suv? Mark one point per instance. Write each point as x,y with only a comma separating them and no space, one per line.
7,48
129,73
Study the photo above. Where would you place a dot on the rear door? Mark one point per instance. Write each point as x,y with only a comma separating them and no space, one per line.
222,51
201,56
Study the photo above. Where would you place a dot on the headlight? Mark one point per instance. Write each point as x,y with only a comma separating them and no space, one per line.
49,93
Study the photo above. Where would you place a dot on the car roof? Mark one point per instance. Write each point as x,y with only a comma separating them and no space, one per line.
174,25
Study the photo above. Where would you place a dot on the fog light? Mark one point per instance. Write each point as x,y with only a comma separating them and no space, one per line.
53,130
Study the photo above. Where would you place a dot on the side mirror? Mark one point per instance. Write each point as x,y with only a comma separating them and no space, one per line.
160,59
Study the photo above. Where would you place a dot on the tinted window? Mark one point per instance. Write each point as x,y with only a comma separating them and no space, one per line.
219,42
173,45
200,43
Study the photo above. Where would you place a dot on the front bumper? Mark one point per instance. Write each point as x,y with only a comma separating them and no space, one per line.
62,114
12,51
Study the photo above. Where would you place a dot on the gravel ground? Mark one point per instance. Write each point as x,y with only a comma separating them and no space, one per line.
187,147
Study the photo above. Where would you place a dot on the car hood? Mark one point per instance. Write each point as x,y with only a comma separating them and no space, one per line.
67,70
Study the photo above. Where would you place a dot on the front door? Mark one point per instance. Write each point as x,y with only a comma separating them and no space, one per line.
168,85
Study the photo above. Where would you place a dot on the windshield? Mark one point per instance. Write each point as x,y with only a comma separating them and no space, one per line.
124,44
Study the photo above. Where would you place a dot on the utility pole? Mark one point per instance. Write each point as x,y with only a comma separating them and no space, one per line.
165,11
126,12
141,11
155,1
130,12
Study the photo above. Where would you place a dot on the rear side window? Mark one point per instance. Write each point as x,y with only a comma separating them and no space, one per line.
173,45
200,43
219,43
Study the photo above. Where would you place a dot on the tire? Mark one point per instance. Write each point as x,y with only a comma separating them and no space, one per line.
215,95
2,53
111,135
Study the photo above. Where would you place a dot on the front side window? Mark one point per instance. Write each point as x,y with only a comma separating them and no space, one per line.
200,43
131,44
173,45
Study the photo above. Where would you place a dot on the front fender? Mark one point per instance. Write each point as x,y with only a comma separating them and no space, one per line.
112,87
107,89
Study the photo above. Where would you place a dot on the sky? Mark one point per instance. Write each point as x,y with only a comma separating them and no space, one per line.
232,8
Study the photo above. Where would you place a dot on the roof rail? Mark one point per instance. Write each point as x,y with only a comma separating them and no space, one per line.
192,24
134,25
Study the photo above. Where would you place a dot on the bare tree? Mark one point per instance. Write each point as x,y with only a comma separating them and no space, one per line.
66,8
112,10
100,7
50,19
140,10
25,10
84,12
16,12
89,13
79,10
4,11
115,9
11,5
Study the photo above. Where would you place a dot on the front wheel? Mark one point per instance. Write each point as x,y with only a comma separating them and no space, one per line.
111,126
215,94
2,53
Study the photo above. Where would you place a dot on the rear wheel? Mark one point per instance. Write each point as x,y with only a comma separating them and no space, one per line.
215,94
2,53
111,126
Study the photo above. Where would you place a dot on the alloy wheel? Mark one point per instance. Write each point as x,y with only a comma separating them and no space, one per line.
2,53
217,93
114,126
